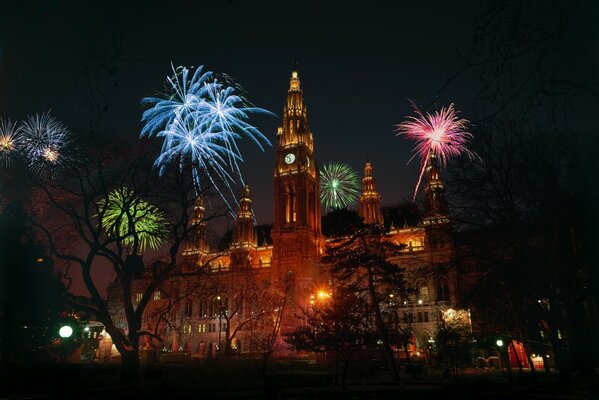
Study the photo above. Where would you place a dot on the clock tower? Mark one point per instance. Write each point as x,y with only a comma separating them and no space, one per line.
296,234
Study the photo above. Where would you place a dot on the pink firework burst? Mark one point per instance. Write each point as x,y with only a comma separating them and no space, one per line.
442,133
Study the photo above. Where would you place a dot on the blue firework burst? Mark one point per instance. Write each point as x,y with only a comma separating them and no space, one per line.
200,120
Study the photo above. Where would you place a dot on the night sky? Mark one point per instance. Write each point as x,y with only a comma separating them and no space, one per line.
358,63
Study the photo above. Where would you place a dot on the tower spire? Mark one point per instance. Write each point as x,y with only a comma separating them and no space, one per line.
370,204
435,206
197,239
244,234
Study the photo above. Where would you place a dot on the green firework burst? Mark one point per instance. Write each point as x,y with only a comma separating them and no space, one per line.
339,185
128,217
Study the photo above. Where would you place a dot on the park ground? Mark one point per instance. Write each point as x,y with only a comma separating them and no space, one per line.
244,379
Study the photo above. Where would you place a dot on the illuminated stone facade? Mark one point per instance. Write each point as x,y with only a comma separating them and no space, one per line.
233,297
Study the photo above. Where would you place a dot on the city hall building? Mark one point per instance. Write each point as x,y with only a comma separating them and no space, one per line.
260,284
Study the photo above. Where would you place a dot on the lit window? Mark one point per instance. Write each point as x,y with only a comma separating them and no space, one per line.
156,295
138,297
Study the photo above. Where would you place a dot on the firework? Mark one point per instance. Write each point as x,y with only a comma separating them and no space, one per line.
200,120
127,218
10,141
339,185
441,133
45,141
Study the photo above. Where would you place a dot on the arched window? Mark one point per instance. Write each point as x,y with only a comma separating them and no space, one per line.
287,205
442,289
188,308
421,288
202,308
211,308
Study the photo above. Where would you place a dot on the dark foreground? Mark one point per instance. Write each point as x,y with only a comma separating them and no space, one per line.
244,380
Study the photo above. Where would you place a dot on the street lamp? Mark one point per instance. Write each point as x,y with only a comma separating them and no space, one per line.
220,325
499,343
65,331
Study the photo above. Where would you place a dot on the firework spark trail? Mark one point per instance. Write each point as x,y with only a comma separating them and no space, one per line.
200,121
339,185
10,141
45,140
441,133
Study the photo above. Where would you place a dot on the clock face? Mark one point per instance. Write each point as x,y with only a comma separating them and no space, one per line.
289,158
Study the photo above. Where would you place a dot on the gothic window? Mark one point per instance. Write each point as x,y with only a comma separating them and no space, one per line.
237,305
421,291
211,308
442,289
202,307
188,308
287,206
294,204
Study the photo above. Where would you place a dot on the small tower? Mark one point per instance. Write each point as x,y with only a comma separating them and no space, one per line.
436,211
435,206
196,243
244,235
296,233
370,200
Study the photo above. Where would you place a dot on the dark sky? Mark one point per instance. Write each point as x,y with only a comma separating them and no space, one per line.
358,63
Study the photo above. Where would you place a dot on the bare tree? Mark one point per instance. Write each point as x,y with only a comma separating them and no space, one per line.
79,202
360,261
339,328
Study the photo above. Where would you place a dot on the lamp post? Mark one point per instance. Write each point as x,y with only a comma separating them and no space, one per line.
220,326
65,331
504,354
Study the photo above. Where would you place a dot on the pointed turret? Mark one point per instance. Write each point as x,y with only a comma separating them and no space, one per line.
370,202
197,238
244,235
295,118
435,206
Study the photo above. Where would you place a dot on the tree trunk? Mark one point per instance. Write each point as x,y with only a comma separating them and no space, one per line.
546,364
506,356
387,351
129,366
533,370
344,374
516,356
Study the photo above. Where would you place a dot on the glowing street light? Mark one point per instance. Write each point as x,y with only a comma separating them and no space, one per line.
65,331
499,343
